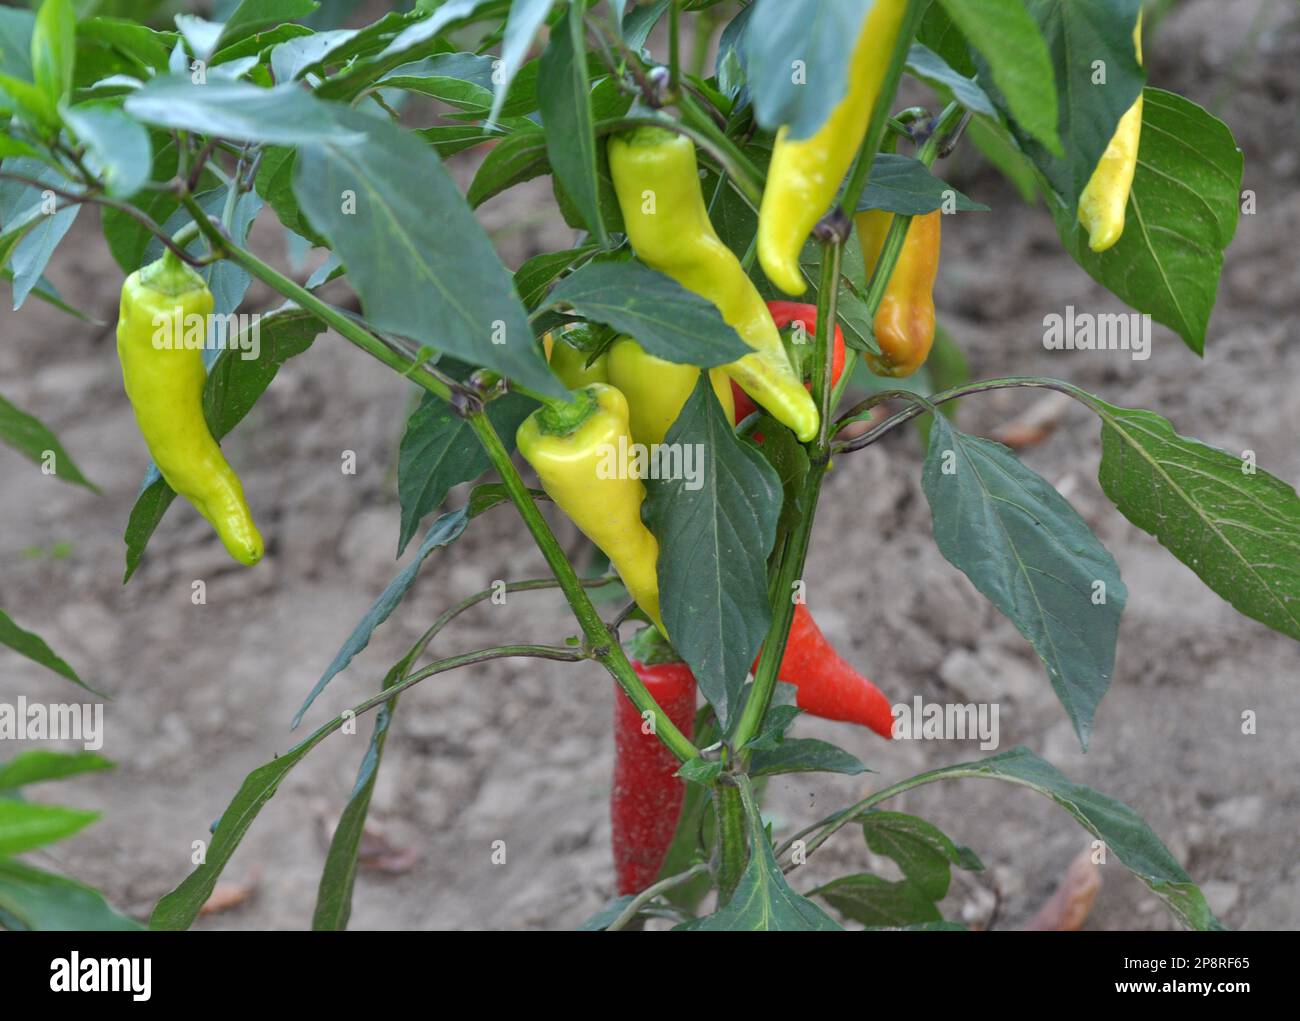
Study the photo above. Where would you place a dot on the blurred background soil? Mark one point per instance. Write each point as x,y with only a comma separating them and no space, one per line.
519,751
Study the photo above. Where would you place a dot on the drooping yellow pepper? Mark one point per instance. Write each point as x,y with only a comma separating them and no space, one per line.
575,450
160,334
904,323
1105,197
657,183
656,389
805,173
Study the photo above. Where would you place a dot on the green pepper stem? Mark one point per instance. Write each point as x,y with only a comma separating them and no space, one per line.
563,418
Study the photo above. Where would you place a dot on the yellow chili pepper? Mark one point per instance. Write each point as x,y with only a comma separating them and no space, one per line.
805,173
904,323
657,183
1105,197
656,389
575,451
162,304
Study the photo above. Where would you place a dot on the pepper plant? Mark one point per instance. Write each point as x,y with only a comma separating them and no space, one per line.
703,182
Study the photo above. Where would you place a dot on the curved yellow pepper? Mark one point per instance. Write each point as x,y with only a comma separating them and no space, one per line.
1105,197
657,183
656,389
573,459
165,386
805,174
904,323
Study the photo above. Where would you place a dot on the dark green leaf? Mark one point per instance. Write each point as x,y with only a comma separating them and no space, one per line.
44,902
526,19
564,94
1076,34
517,158
939,34
879,903
1235,525
283,115
923,853
33,646
38,766
274,183
639,22
251,16
439,451
54,47
1016,58
930,68
30,437
665,318
715,532
411,42
1122,829
118,146
25,824
338,877
1030,553
904,185
421,263
820,35
534,278
804,755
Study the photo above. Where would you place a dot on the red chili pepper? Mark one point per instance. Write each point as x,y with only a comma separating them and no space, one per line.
647,799
783,314
827,684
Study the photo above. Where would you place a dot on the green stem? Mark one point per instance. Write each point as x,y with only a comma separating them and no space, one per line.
651,892
919,405
826,828
732,851
738,166
790,568
604,647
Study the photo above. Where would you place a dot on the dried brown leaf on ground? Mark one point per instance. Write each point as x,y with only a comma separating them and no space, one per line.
1067,909
231,895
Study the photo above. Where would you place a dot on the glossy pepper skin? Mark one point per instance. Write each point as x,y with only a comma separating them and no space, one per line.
657,183
657,389
827,684
1105,197
785,313
570,364
904,322
646,798
573,463
805,174
165,387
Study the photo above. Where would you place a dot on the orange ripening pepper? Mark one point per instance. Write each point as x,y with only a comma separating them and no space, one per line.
904,322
